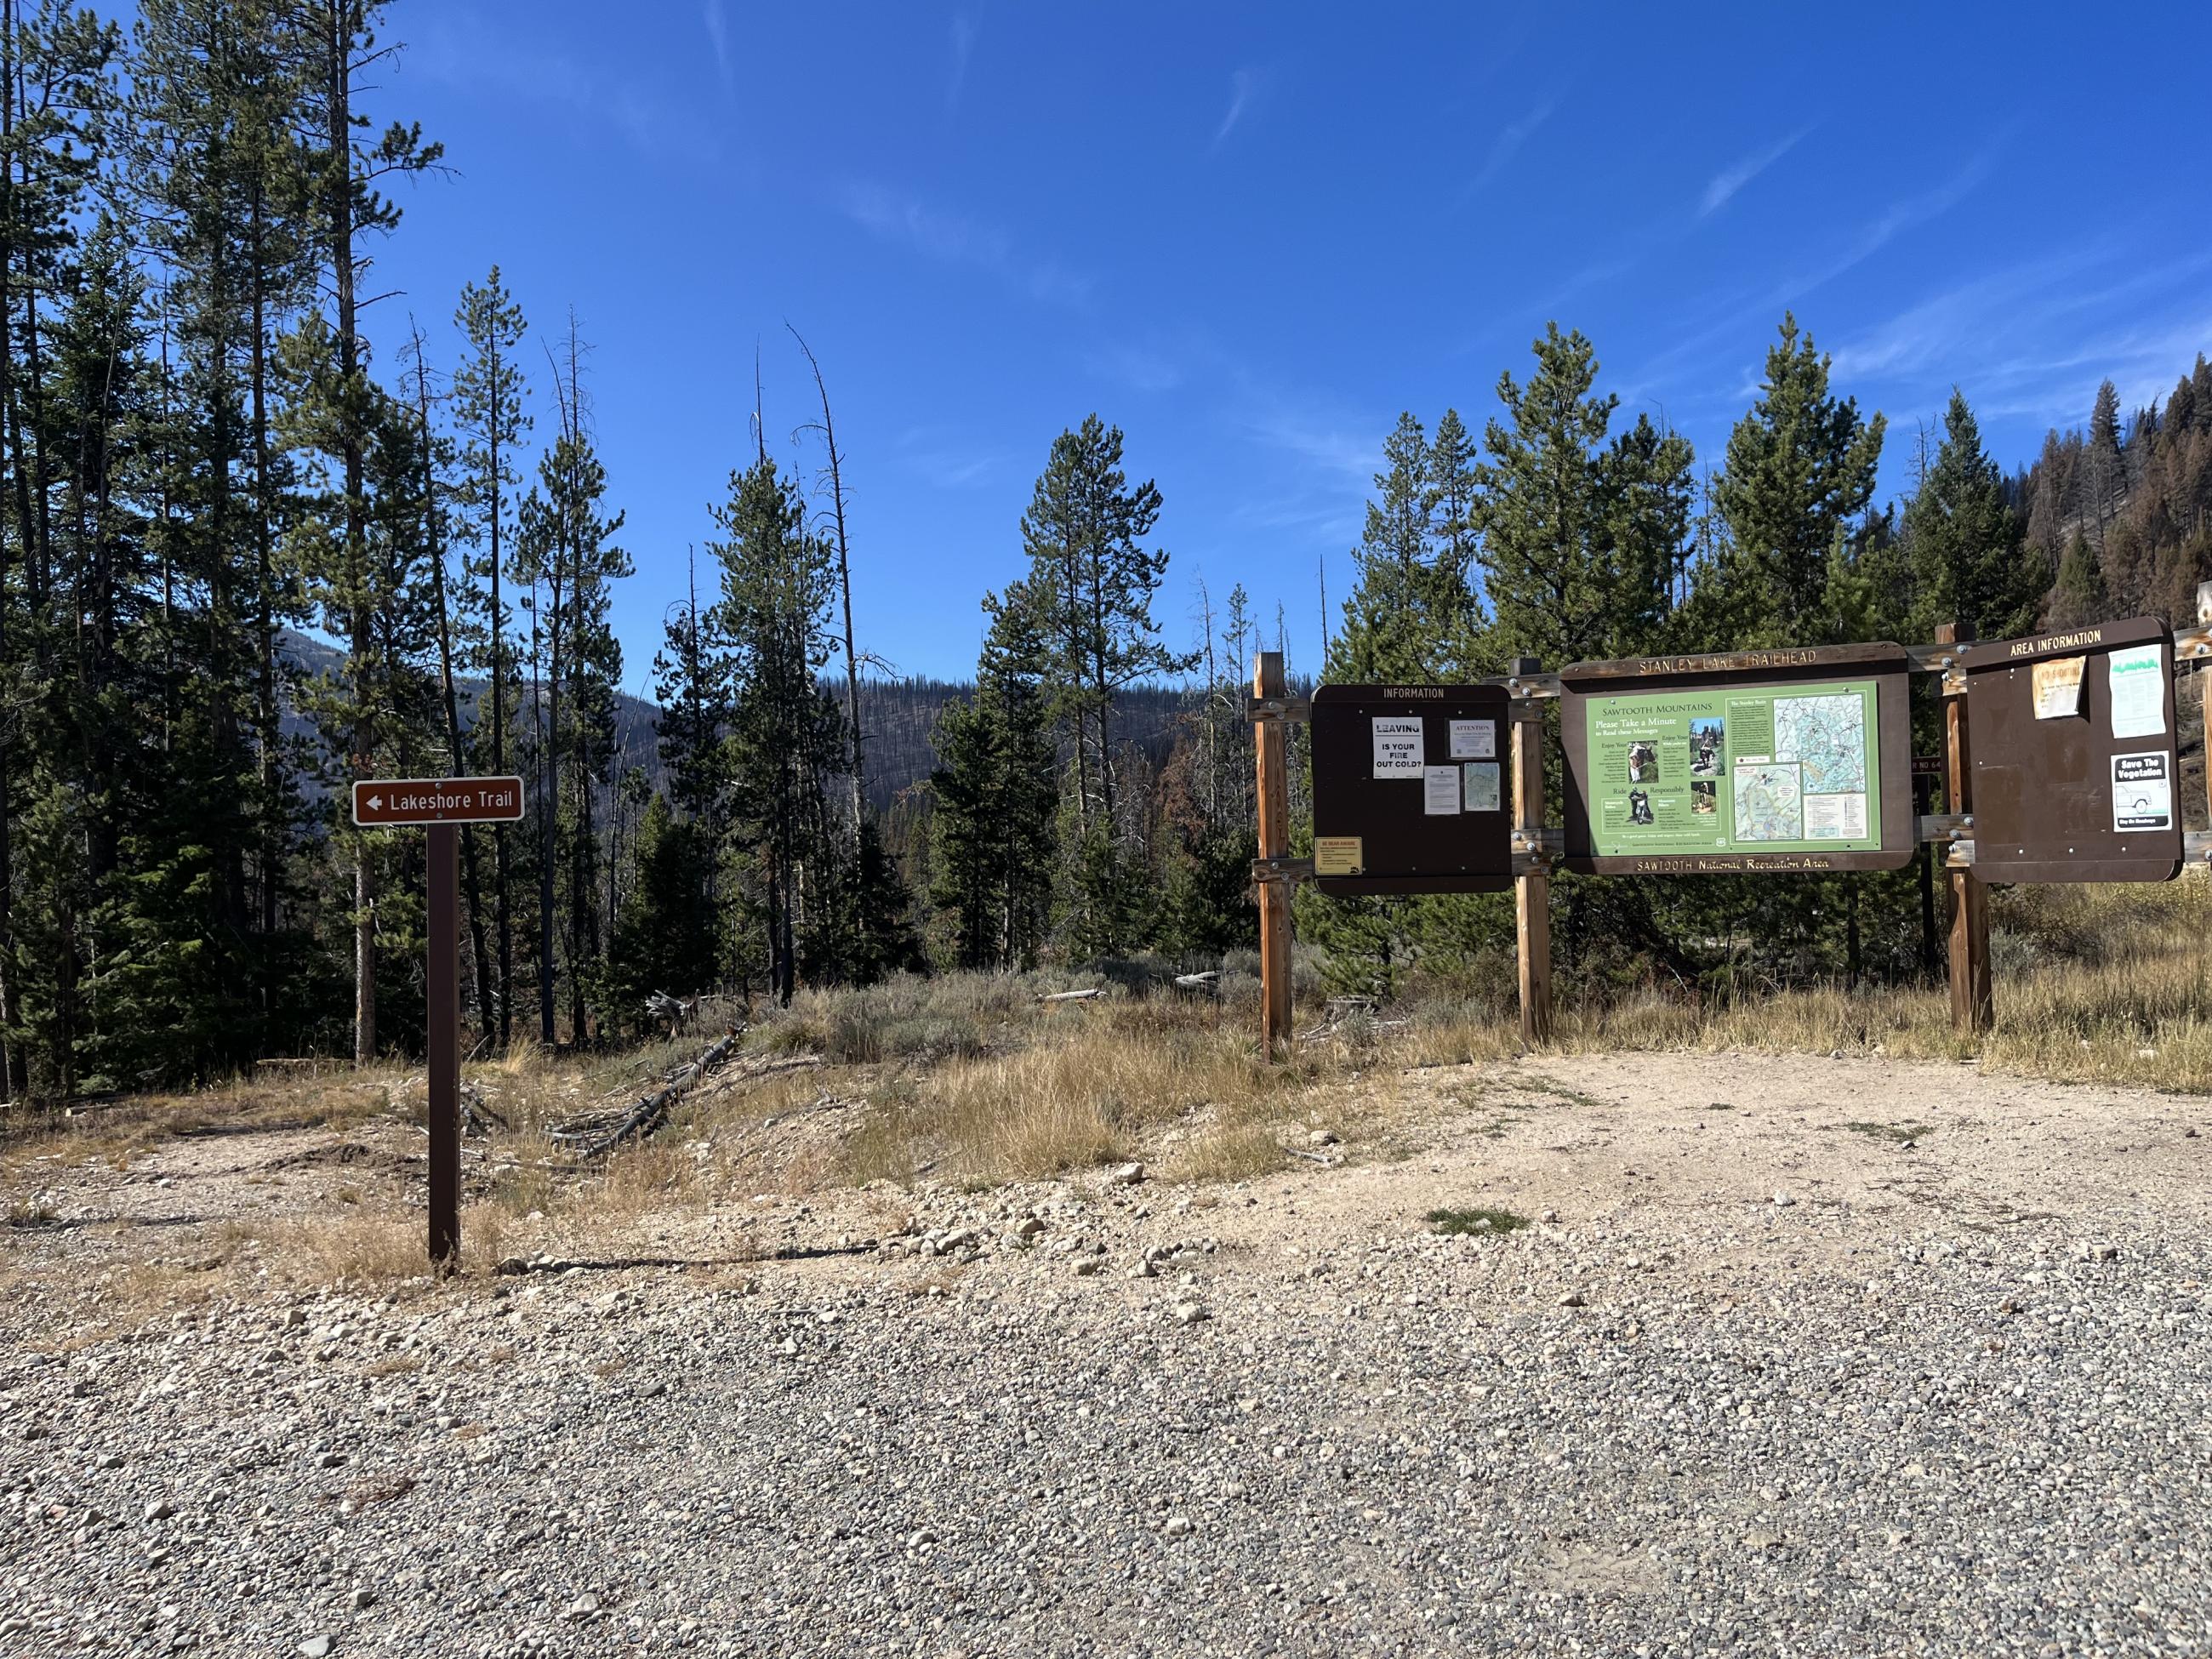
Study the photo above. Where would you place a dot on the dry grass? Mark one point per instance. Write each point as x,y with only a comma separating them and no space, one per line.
969,1080
1087,1090
1237,1152
115,1131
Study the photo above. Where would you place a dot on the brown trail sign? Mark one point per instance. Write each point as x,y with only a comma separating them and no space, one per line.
380,802
440,805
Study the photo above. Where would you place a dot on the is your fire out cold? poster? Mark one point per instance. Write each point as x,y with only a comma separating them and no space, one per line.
1734,770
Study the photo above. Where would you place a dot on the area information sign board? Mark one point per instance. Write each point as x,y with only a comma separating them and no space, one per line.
1751,761
2073,740
1413,790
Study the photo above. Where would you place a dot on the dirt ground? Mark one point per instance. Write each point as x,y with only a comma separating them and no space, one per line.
1585,1138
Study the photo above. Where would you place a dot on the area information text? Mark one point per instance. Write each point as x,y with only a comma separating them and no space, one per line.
1784,769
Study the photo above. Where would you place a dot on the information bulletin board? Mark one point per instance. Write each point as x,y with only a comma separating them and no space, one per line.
1413,789
1777,761
2074,747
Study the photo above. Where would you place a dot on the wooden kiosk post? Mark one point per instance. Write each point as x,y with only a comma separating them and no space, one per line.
1532,887
1270,739
1973,1007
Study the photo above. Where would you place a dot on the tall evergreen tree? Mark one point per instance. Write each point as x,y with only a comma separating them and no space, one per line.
1579,537
787,736
488,392
996,797
1091,581
1800,469
1967,544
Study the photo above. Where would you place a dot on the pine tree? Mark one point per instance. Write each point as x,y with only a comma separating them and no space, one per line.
1091,581
1800,469
664,934
1579,538
1412,616
2080,595
995,798
487,392
787,734
1967,544
691,686
2104,473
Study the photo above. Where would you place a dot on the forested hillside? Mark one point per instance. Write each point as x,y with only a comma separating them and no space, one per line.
251,553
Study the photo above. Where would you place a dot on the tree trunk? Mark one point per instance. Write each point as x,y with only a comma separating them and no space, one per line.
436,550
265,688
362,642
14,1072
503,920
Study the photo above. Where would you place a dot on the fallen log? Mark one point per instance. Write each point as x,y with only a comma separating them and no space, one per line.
1071,996
652,1110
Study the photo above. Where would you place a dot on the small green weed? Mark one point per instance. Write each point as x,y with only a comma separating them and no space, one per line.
1483,1220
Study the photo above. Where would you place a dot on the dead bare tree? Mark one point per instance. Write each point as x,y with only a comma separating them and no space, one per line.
828,428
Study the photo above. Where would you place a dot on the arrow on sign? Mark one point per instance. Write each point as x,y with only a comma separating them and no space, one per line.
376,801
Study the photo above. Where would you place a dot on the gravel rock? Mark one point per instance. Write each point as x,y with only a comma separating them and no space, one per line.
1917,1420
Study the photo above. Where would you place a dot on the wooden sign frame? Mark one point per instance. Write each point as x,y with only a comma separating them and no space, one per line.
1889,668
1402,847
2043,788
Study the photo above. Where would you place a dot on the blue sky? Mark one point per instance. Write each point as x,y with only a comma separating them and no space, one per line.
1250,235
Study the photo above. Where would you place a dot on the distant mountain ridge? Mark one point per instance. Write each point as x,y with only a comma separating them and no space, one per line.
897,717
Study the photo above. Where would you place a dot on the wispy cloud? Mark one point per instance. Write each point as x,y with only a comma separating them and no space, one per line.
1507,144
1906,214
1730,180
1244,87
1320,443
941,459
1742,314
718,33
461,52
1141,368
949,239
2037,366
964,25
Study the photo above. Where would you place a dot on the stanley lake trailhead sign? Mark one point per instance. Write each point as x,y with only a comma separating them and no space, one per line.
1780,760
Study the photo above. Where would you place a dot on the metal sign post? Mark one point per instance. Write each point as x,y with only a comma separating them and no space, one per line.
440,806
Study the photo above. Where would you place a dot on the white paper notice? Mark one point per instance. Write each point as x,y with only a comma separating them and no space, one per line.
2143,792
1478,786
1397,746
1475,739
1440,792
2138,677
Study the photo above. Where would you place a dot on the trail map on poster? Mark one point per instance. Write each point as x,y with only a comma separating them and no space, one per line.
1734,770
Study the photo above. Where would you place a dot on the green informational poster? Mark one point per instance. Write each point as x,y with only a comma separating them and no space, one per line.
1785,769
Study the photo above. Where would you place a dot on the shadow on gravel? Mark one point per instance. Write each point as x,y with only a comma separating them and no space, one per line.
516,1267
77,1224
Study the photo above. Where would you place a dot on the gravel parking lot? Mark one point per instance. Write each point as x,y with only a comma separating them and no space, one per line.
1795,1356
